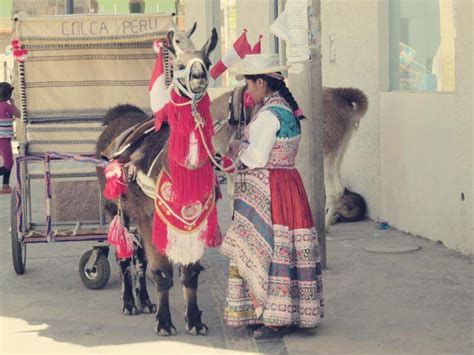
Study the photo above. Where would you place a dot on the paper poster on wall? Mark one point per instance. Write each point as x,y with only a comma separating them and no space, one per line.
279,28
292,27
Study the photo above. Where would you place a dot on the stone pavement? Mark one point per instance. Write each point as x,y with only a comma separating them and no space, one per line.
417,302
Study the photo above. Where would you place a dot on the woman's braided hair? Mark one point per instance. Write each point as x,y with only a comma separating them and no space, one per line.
280,86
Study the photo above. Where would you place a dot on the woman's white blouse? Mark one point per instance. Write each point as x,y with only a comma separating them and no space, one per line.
262,137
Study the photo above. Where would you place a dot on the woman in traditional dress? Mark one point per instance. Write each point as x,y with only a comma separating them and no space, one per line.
275,266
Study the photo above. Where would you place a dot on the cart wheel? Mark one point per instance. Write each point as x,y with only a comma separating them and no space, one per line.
18,248
98,276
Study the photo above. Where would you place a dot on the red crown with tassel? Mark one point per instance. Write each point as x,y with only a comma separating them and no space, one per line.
19,53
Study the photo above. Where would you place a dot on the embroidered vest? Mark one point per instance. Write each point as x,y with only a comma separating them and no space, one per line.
285,149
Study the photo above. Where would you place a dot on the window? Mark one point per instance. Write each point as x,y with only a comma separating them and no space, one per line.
146,6
6,16
422,52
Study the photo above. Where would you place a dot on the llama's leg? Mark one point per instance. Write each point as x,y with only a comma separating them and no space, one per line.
128,301
163,277
158,266
337,173
142,299
331,193
160,270
189,276
338,187
126,270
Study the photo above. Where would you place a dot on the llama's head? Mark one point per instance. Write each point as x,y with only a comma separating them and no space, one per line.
190,66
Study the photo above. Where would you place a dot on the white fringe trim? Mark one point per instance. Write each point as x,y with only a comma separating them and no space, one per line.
185,248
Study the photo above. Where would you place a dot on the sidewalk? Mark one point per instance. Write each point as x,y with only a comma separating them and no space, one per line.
416,302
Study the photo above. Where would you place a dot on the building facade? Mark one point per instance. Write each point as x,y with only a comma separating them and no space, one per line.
411,157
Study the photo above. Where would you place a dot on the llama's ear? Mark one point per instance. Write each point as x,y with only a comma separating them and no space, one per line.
210,45
169,43
190,32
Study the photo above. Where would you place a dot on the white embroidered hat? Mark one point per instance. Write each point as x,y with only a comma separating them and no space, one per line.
254,64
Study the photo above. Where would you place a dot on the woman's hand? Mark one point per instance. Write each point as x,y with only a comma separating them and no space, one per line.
234,149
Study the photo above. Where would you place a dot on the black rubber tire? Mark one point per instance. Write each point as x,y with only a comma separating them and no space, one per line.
18,248
99,277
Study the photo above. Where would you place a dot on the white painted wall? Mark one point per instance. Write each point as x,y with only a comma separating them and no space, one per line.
353,25
256,16
426,151
412,156
207,15
472,130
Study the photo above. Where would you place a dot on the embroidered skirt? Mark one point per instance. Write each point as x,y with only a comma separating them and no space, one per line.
275,267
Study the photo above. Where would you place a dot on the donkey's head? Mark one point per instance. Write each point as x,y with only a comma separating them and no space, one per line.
190,66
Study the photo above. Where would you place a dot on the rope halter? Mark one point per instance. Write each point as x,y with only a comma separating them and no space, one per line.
184,75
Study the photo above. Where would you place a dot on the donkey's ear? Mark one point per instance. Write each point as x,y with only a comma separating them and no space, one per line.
211,44
169,43
190,32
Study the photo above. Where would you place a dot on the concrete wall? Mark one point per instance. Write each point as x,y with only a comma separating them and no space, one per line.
426,154
412,157
472,131
256,16
350,48
207,15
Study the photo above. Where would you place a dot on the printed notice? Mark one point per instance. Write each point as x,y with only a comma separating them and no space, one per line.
292,27
297,20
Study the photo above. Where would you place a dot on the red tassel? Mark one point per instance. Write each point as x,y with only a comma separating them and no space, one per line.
16,44
120,237
212,236
19,53
248,100
160,234
115,184
227,163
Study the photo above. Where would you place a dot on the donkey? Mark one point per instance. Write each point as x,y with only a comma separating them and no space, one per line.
139,208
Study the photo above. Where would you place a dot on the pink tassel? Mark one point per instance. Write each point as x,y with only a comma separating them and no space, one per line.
19,53
298,113
227,162
16,44
120,237
211,236
248,100
115,184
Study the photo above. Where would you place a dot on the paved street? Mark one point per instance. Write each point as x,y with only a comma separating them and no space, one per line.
419,302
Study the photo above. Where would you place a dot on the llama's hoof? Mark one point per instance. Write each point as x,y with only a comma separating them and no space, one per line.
130,310
203,330
149,307
197,329
165,330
